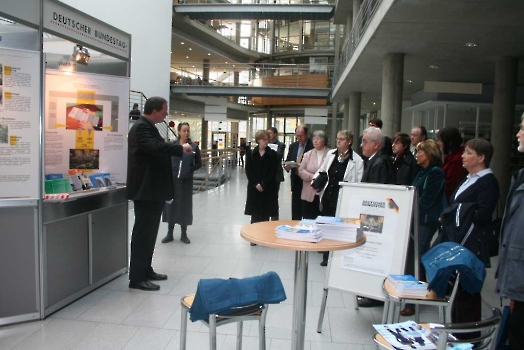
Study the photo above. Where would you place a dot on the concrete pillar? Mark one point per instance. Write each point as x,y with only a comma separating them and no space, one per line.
392,86
349,24
236,78
238,32
345,121
502,137
356,9
333,137
204,139
355,99
205,71
269,116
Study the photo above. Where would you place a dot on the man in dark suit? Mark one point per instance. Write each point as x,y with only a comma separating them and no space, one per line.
149,185
378,167
281,146
376,123
296,152
376,170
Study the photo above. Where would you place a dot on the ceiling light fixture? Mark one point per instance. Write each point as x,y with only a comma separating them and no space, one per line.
409,81
190,49
471,44
81,54
187,56
209,54
434,66
182,43
226,62
374,103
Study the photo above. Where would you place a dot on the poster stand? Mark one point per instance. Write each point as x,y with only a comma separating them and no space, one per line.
386,213
56,251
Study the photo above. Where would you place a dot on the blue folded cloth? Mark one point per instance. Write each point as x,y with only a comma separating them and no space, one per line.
218,296
444,259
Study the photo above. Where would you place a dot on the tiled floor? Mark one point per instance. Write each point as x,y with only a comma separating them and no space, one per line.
114,317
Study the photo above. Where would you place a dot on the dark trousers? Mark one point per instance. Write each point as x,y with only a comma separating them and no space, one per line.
145,230
516,320
466,308
259,218
296,201
275,218
327,211
310,210
425,235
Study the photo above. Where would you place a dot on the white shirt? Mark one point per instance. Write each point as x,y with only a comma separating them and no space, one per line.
320,155
470,180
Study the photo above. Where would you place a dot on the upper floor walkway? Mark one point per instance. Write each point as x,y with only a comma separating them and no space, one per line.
256,9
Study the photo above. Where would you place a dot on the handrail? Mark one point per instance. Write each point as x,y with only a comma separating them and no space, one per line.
224,160
190,74
366,13
257,2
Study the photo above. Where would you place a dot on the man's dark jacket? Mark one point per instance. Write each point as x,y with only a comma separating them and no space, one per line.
296,181
149,175
377,169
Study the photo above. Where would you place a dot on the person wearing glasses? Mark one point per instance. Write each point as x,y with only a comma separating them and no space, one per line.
341,164
378,167
376,123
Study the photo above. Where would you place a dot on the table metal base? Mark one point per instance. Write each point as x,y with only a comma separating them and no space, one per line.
299,300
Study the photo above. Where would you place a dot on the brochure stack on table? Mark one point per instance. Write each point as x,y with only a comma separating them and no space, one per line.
339,229
299,233
407,285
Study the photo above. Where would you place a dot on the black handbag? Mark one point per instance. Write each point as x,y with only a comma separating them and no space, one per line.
320,181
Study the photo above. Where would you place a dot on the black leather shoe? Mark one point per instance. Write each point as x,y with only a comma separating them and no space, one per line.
366,302
323,263
144,285
153,276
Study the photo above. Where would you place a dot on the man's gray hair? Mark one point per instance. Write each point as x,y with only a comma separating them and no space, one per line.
322,135
375,134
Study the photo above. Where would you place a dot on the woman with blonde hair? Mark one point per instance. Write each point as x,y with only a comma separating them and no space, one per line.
430,183
341,164
311,161
261,171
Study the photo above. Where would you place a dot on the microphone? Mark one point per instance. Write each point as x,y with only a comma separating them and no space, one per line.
174,134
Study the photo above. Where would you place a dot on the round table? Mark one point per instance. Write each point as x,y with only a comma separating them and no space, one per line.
263,233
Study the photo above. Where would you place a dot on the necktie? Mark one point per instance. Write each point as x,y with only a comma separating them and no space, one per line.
300,153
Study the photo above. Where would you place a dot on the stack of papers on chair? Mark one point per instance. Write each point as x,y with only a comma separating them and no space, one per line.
298,233
339,229
408,285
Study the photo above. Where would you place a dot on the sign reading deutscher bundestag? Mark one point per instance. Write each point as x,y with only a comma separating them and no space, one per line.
82,29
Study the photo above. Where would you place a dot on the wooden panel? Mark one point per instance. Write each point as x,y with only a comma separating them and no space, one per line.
304,80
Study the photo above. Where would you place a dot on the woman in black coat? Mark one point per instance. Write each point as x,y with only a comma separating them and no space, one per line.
404,164
480,189
180,210
261,172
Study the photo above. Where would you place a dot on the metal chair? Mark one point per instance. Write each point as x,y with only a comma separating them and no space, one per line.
394,302
237,314
443,333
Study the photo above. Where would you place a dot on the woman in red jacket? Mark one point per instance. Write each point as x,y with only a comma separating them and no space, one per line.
450,143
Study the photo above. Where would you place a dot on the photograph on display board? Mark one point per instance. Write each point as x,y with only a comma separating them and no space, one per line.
1,74
84,159
4,133
84,116
372,223
1,97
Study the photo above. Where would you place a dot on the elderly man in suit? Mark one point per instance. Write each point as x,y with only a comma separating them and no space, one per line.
296,152
149,185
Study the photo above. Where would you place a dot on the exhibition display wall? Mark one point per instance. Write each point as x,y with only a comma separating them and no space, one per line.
63,151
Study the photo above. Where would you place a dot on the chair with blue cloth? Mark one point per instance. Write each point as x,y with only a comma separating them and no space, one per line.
222,301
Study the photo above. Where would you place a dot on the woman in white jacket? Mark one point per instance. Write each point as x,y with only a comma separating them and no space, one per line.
311,161
341,165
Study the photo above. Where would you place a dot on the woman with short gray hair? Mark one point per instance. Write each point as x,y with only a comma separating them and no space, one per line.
311,161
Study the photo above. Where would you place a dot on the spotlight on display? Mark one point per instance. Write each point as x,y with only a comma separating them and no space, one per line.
81,54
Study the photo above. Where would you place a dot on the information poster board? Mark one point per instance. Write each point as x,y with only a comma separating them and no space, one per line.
86,124
19,123
385,212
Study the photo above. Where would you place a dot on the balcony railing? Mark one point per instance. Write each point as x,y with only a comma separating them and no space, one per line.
367,11
261,2
248,74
